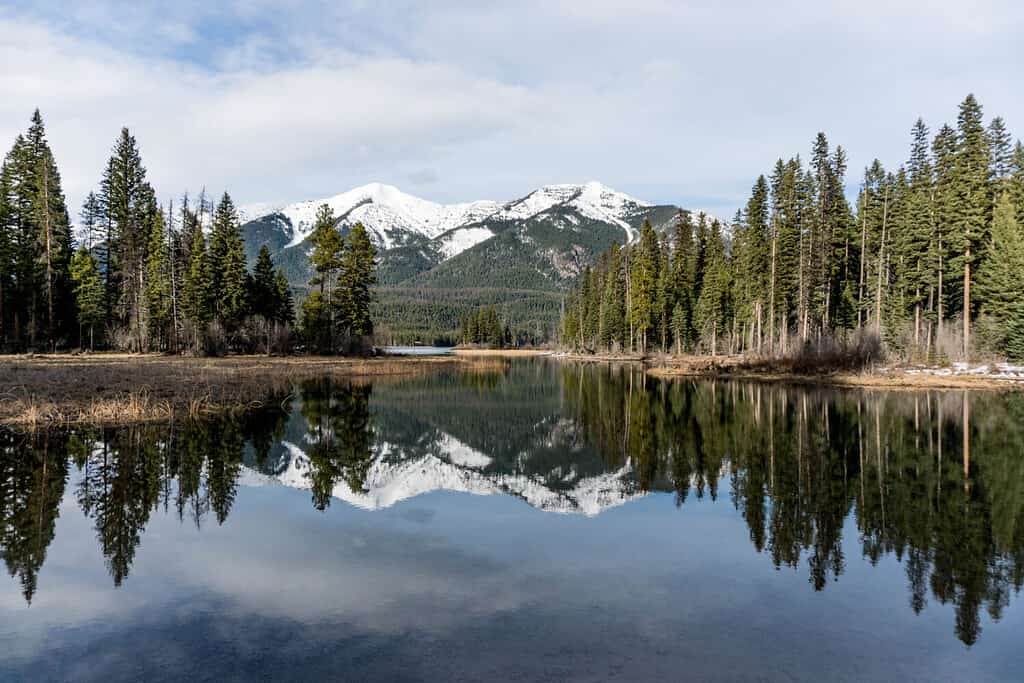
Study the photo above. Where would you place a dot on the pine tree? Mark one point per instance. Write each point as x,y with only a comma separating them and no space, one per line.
358,274
157,292
972,201
285,305
130,205
263,295
943,202
1017,181
1000,147
1001,276
197,295
683,279
613,312
228,275
643,285
88,291
319,319
712,309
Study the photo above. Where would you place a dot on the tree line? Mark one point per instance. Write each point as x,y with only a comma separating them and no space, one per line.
929,259
483,327
144,277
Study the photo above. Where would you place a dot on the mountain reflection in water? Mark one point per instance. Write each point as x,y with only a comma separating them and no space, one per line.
935,479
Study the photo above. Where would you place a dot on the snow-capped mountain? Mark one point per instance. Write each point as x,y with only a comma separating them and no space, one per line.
392,216
433,258
384,210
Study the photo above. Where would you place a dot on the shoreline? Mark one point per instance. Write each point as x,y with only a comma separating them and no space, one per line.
118,388
738,368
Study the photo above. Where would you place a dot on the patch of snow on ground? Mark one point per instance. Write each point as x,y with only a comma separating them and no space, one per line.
994,370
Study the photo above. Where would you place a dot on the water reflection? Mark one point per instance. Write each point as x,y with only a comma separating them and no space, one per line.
935,479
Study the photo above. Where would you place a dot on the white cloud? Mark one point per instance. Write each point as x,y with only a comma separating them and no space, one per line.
669,101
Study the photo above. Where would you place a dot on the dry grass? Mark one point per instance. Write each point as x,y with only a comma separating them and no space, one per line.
501,353
119,388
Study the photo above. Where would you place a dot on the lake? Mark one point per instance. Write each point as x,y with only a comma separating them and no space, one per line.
530,520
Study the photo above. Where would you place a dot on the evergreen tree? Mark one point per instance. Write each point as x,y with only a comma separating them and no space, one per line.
612,324
157,293
228,275
358,274
972,201
643,285
319,313
712,309
88,291
285,313
130,207
263,296
197,295
683,280
1001,276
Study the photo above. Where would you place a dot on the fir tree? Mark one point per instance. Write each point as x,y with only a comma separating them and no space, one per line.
972,201
319,313
1001,277
197,296
358,268
228,275
285,309
643,285
130,207
264,293
157,291
88,291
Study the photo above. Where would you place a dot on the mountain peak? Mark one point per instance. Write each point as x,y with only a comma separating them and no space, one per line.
389,214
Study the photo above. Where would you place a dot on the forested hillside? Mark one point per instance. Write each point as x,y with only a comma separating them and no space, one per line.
928,260
439,262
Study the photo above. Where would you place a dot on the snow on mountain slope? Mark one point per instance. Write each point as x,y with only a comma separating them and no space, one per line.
459,240
455,467
383,209
390,214
592,200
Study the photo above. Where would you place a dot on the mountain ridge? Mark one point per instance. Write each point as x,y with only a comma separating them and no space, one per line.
535,244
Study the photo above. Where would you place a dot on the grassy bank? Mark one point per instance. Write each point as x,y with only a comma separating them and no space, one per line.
120,388
500,353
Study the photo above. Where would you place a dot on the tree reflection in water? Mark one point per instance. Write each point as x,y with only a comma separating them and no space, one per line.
935,479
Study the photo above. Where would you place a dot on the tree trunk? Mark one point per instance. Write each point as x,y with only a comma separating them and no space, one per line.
51,342
967,302
863,250
881,265
771,302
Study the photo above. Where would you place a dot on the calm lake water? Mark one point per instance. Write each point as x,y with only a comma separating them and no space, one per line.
530,520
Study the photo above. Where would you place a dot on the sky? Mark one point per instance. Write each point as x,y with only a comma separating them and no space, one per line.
671,102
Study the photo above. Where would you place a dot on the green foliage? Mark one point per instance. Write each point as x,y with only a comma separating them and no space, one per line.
36,302
197,294
228,276
484,328
1001,277
88,290
157,292
801,266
